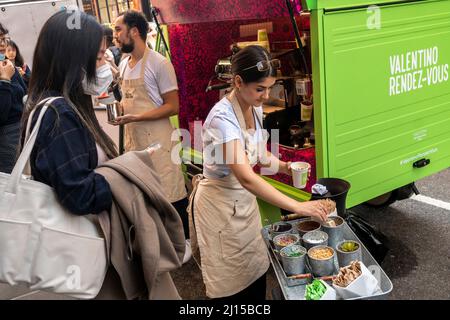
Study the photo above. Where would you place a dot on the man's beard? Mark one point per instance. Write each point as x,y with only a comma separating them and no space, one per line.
128,48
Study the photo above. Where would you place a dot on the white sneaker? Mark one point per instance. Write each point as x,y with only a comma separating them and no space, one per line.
187,252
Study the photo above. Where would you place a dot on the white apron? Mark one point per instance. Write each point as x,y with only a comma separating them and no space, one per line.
139,135
228,228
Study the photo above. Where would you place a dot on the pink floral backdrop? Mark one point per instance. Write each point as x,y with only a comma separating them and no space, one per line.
201,32
197,11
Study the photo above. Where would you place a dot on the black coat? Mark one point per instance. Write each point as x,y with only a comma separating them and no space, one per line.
11,99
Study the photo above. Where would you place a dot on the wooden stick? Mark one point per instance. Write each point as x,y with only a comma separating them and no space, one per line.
301,276
309,275
327,278
291,216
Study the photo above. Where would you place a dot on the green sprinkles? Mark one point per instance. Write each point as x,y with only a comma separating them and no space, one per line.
293,251
349,246
315,290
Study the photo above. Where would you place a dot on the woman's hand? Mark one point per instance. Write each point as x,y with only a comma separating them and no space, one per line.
21,72
109,58
288,168
126,119
7,70
313,209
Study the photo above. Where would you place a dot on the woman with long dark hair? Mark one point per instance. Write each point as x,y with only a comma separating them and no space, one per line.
225,211
69,63
13,54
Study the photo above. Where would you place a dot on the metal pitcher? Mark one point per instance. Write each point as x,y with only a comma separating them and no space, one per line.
113,111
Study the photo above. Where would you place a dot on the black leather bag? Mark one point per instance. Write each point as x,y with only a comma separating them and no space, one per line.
376,242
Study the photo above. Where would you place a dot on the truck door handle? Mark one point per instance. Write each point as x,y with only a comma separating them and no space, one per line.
421,163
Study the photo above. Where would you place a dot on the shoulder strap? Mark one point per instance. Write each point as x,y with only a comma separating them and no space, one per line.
125,61
30,118
237,110
256,115
144,62
24,157
240,116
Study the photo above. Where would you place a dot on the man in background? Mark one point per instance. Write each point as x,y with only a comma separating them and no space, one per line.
149,98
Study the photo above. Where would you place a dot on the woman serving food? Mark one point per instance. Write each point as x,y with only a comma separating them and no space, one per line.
223,206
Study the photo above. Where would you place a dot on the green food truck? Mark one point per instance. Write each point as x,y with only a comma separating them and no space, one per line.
381,75
380,83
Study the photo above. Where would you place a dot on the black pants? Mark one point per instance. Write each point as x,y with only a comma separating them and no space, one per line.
254,292
181,206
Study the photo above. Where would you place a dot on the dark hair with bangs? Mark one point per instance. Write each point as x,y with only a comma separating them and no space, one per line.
62,57
18,61
243,61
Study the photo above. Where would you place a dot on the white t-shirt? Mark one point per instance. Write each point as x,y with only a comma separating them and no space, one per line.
101,155
222,126
159,75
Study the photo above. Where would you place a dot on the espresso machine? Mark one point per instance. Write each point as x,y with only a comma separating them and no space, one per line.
282,111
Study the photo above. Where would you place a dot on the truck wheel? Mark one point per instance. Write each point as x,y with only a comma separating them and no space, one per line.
382,201
389,198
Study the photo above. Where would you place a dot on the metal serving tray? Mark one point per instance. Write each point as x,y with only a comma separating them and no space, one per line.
294,289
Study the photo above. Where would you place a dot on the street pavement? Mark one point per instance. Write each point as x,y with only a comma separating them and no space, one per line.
418,262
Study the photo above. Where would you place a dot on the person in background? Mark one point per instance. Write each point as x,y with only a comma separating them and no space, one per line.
149,98
113,53
225,212
12,91
4,39
13,54
113,57
152,35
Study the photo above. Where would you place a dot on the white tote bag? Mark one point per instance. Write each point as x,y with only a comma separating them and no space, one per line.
42,245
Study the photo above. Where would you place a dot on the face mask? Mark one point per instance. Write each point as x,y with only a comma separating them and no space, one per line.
104,79
2,57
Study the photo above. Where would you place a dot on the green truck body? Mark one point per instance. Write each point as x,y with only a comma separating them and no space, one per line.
381,94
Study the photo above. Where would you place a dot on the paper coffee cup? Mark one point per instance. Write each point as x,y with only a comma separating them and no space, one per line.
300,172
306,110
